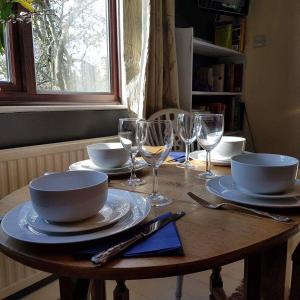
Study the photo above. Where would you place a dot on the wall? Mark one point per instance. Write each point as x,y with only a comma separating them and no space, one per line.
32,128
272,91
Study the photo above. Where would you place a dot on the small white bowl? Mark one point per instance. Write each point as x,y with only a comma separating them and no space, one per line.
262,173
107,155
230,146
69,196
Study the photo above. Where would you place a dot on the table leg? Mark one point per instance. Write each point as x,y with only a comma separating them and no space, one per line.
265,274
121,291
216,285
73,289
98,290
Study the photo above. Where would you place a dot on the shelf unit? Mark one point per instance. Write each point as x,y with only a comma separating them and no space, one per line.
187,46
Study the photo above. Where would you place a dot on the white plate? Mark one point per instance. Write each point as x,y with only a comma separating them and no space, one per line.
125,169
213,186
113,210
15,224
215,158
228,183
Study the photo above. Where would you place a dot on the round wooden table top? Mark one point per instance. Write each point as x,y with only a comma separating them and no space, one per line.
210,237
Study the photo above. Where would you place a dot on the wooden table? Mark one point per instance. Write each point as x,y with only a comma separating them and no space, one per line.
211,238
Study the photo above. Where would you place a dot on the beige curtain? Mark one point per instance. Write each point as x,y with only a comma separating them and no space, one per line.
161,89
150,56
136,16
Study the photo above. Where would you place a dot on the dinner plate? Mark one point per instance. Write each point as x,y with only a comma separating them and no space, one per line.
215,158
114,209
125,169
228,183
15,223
234,195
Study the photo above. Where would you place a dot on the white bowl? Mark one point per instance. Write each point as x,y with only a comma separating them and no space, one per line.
69,196
264,173
230,146
108,155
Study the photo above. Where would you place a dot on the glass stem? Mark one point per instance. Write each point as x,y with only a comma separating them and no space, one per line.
208,161
155,180
187,153
132,158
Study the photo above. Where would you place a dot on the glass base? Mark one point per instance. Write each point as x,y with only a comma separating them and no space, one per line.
186,165
135,182
157,199
206,175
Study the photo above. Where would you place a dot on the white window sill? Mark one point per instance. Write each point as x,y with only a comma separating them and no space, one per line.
13,109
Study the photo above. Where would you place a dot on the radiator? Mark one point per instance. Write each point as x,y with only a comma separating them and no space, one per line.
17,167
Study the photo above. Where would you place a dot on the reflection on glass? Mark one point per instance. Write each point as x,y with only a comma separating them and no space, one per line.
4,63
71,46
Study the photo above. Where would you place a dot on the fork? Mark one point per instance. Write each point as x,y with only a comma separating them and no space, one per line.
206,204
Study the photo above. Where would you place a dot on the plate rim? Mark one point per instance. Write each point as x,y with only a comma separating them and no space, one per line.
264,204
87,230
62,238
112,171
264,196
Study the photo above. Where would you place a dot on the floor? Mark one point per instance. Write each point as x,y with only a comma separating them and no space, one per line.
195,286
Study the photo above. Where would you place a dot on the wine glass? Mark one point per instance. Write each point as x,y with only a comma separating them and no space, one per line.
208,137
155,140
187,126
127,134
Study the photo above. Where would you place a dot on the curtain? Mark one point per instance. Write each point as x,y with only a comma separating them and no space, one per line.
150,56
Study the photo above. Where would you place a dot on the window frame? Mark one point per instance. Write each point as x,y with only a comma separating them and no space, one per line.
22,88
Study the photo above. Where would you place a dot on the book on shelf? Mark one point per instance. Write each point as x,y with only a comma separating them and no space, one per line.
233,78
231,34
234,116
218,77
223,35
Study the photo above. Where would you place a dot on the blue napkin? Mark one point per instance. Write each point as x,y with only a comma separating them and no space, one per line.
177,156
165,241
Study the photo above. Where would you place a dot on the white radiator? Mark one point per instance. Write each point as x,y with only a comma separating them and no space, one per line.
17,167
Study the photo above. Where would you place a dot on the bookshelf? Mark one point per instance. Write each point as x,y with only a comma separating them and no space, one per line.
190,49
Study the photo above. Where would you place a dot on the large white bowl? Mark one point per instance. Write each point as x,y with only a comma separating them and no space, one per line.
264,173
107,155
69,196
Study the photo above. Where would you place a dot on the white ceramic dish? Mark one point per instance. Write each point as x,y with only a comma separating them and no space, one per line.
230,146
107,155
216,159
262,173
69,196
89,165
113,210
15,224
213,186
228,183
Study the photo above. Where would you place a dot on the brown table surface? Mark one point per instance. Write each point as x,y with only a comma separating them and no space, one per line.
210,238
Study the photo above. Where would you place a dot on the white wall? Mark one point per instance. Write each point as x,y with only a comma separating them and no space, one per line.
272,91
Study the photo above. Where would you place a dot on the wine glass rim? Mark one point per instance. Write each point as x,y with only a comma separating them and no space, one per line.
209,114
155,121
130,119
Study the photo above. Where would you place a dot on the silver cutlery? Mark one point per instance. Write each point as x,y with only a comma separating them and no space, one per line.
223,205
101,258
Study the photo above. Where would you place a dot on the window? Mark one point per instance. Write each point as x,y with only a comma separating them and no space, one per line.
66,55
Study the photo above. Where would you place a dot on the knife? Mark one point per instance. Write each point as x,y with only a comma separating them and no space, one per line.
101,258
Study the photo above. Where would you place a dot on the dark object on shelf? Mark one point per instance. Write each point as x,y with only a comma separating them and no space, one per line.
238,7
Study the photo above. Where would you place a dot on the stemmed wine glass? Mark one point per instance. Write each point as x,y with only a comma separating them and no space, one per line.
209,135
155,140
187,126
127,133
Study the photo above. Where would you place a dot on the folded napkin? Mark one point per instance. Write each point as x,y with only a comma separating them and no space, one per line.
165,241
177,156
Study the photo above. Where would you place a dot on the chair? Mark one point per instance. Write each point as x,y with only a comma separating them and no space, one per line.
171,114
